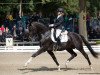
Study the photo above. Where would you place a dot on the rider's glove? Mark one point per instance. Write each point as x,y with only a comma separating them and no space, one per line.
51,25
70,18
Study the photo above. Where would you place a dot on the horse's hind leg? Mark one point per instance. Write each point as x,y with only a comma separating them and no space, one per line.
86,56
41,50
73,55
54,58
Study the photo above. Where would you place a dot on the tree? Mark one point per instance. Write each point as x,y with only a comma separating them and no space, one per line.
82,18
6,7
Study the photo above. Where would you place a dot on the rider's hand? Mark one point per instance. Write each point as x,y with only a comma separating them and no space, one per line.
70,18
51,25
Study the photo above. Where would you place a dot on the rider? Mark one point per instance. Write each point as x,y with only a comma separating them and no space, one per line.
58,25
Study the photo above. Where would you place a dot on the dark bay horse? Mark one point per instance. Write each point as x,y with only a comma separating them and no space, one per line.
46,44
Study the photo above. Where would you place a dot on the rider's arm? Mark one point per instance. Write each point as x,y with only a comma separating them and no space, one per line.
60,21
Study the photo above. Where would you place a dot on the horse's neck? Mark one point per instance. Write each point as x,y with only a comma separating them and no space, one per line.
42,29
44,35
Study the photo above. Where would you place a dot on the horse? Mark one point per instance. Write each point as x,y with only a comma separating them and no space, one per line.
46,44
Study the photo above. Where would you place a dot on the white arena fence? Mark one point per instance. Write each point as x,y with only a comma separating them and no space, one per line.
11,46
35,48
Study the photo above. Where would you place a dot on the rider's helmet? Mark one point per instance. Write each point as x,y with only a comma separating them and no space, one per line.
60,10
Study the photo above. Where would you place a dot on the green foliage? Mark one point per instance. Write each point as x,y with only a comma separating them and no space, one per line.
98,42
73,5
93,6
31,6
6,7
46,6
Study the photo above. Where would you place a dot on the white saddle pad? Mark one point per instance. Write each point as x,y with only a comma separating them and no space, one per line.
63,35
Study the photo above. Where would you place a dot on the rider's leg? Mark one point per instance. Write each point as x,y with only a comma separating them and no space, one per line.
58,41
58,32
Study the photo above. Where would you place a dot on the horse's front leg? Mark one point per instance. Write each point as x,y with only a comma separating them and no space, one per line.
54,58
41,50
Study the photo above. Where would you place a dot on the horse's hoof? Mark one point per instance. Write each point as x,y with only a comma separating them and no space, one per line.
59,68
25,65
66,64
91,67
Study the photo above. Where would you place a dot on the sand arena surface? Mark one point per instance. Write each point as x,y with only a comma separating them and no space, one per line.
12,64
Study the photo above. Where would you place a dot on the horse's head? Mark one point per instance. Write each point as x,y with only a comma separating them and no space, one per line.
36,29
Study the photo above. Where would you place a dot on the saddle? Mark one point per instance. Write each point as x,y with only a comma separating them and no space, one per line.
62,35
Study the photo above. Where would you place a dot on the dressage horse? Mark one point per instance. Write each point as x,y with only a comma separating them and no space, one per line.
46,44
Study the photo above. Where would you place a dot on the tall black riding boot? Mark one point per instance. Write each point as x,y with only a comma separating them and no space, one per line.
58,43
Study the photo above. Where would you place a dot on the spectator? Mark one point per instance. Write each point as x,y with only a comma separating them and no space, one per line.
10,17
6,22
7,32
19,24
88,21
14,32
2,28
0,35
23,19
66,22
20,34
36,16
69,22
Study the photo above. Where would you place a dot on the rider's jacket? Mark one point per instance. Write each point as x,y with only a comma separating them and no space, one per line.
59,22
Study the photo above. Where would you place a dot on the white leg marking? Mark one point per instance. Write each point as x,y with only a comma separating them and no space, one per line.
91,67
59,68
66,63
30,59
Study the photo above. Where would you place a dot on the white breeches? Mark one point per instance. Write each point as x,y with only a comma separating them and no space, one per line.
58,32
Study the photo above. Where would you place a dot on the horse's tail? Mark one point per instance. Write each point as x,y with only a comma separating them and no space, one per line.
89,47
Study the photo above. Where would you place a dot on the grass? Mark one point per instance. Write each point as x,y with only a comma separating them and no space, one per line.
97,42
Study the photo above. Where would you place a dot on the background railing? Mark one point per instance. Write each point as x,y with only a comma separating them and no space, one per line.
21,43
18,46
35,48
